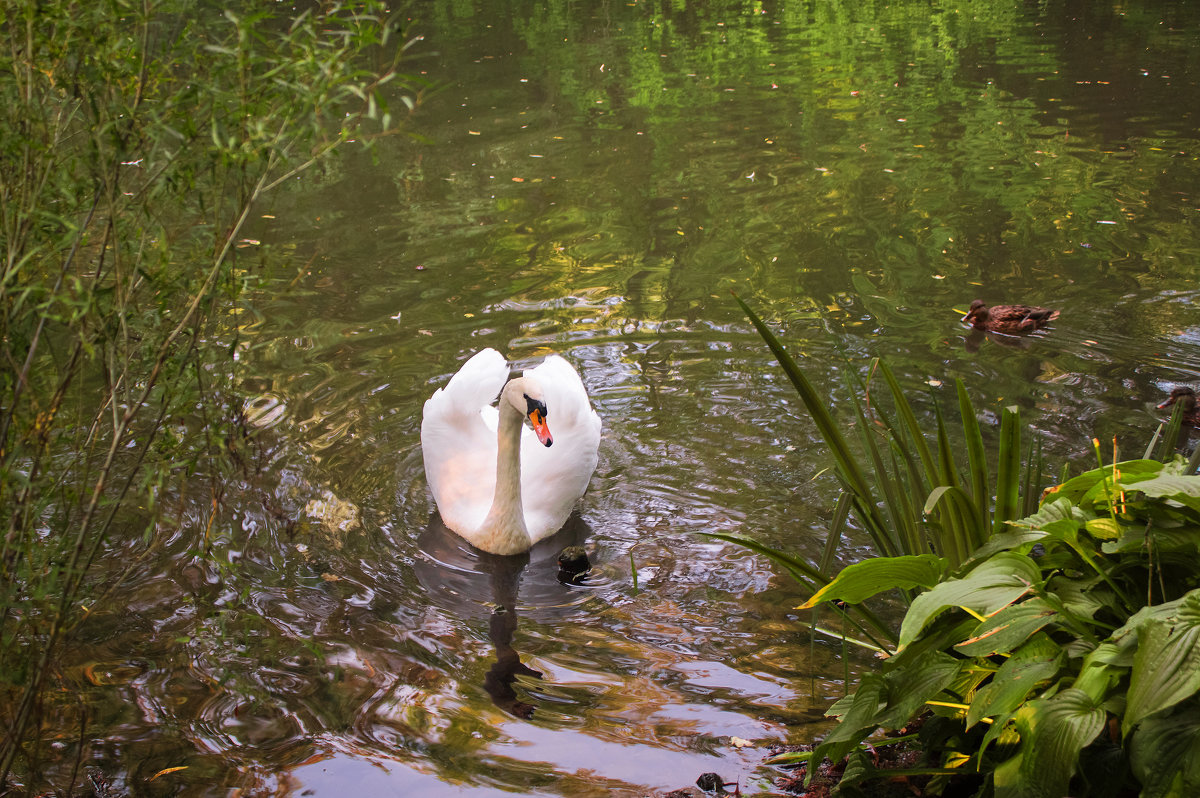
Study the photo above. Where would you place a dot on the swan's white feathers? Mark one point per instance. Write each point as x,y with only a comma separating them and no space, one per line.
458,439
553,477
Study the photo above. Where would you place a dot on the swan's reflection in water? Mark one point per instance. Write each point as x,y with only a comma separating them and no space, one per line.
474,584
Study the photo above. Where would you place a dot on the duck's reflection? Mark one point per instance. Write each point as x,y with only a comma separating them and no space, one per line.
470,583
975,339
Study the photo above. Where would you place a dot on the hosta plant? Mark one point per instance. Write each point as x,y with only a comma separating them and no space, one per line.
1062,658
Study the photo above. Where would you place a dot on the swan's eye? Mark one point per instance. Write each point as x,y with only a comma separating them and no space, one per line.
535,406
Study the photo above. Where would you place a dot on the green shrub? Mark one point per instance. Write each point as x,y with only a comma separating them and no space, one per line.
1065,654
136,139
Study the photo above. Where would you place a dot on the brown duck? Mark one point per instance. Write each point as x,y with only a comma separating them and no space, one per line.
1186,397
1011,319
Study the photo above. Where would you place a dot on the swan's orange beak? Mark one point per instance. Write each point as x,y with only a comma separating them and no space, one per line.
539,426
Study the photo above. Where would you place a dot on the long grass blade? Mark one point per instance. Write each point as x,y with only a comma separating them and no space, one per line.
884,536
1008,470
1031,488
804,574
905,412
841,512
909,479
808,577
1170,438
1154,439
954,503
912,530
959,519
977,466
817,408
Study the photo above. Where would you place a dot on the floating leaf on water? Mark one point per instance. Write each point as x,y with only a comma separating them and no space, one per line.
165,771
738,742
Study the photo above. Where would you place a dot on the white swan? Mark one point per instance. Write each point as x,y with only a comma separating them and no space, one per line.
499,484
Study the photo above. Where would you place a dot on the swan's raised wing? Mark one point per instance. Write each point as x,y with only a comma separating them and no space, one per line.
552,478
458,440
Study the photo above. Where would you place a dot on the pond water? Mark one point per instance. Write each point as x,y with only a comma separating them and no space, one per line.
594,180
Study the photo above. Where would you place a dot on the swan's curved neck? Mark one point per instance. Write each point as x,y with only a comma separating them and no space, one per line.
504,530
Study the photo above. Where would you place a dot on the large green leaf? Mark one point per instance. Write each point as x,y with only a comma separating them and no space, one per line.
889,701
1165,755
1008,629
1053,732
864,579
1006,541
1088,486
1058,509
1036,661
1177,487
1166,667
991,585
1104,667
909,688
858,713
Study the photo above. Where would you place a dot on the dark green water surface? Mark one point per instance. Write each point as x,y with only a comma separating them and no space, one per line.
594,179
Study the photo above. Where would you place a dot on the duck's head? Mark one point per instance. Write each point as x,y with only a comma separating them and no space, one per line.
1183,394
525,394
977,314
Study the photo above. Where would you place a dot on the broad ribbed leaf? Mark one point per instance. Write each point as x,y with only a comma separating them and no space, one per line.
1006,541
1103,667
1104,528
991,585
1008,629
1165,755
1053,732
909,688
1032,663
1166,667
1177,487
858,713
1087,486
1060,509
864,579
